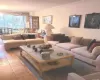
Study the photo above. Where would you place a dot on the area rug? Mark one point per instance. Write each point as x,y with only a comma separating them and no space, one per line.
57,74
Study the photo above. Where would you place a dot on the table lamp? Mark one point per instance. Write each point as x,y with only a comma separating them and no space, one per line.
48,29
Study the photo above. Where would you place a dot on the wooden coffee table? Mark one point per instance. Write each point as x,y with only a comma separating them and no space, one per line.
45,65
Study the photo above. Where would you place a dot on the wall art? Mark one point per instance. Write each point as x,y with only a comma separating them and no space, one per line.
74,21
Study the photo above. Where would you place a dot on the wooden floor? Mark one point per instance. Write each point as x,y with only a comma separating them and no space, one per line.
12,68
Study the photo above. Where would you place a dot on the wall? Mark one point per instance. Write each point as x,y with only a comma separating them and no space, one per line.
61,17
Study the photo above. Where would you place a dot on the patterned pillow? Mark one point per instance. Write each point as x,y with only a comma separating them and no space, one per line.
90,44
93,46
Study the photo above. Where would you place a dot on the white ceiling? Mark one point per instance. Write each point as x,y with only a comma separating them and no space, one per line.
30,5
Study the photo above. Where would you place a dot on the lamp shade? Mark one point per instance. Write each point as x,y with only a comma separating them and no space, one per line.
49,27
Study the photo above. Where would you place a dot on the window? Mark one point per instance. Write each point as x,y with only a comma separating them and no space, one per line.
12,21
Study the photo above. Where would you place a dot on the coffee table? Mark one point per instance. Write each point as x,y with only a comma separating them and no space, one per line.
45,65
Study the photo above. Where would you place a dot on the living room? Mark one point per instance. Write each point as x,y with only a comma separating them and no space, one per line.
17,65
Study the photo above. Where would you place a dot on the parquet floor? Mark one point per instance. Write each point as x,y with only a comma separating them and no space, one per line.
12,68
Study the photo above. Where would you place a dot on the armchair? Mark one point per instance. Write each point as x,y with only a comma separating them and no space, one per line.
94,76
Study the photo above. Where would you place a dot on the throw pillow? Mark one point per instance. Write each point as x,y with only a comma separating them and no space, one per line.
89,45
17,37
93,46
64,39
57,37
31,36
76,40
25,36
85,42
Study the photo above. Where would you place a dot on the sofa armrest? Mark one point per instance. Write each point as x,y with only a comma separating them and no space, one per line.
73,76
97,63
96,52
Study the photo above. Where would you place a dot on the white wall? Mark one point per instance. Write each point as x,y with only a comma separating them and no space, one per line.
61,17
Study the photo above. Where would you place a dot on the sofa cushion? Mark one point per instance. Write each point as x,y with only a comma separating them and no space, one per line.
67,46
31,36
17,37
85,42
90,44
13,41
57,37
93,76
8,36
93,46
83,52
64,39
25,36
76,40
34,41
53,42
96,52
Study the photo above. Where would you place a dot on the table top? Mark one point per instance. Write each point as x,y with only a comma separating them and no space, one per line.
38,57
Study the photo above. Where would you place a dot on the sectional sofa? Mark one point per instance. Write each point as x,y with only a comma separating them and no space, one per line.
93,76
78,49
16,40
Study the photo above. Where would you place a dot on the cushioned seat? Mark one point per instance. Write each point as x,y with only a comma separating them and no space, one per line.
53,42
67,46
83,52
13,43
93,76
34,41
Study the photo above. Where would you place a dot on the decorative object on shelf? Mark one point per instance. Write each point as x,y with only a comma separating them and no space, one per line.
92,21
45,55
74,21
34,48
47,19
28,45
46,50
45,46
60,54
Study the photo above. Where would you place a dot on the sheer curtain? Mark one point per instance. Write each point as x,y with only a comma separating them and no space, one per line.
16,22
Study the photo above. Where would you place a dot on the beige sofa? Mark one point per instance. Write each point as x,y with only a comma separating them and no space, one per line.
93,76
9,42
78,50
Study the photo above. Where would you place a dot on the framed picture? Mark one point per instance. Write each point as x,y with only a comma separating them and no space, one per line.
47,19
92,21
74,21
